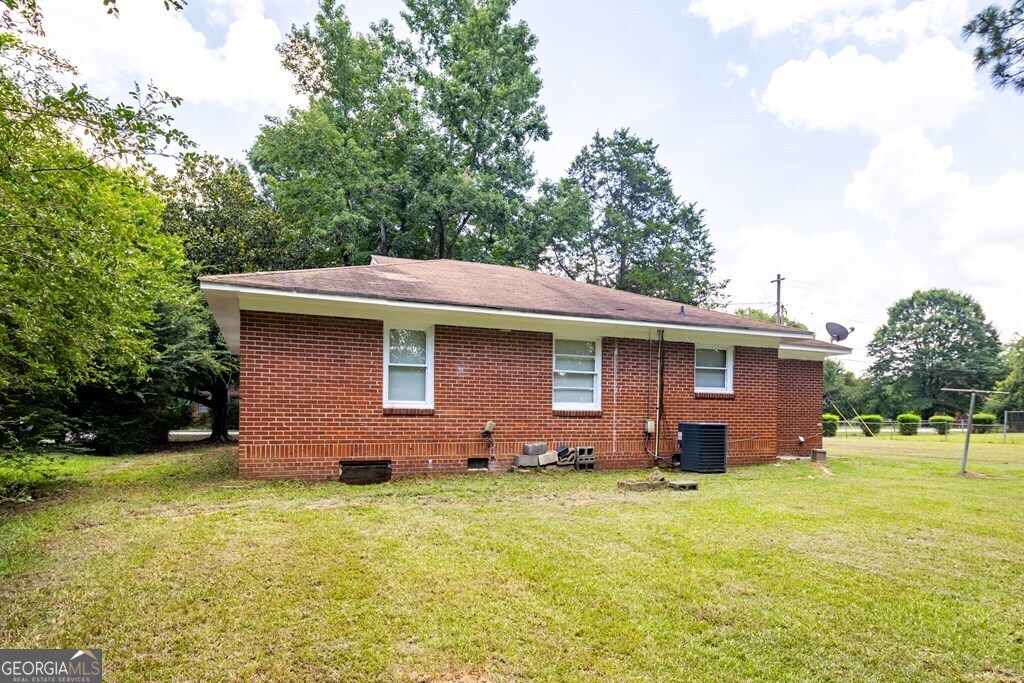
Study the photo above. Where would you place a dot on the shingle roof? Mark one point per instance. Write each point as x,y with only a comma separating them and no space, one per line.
479,285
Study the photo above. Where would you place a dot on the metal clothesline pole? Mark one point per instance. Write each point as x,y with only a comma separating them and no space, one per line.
970,419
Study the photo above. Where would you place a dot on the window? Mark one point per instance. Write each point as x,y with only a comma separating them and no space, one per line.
713,371
577,375
409,368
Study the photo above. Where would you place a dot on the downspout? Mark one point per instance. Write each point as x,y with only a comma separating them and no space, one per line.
660,406
615,397
659,401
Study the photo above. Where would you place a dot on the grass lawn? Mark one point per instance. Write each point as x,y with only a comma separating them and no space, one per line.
887,566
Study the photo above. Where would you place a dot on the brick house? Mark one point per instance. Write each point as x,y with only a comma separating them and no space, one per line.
405,361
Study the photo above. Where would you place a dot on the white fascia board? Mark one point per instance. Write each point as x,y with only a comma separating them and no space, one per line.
256,298
224,306
796,352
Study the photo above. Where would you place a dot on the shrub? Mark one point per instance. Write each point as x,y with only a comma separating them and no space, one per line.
871,425
940,423
909,423
829,424
984,423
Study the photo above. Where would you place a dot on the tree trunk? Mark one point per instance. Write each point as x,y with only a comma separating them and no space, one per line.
440,227
219,408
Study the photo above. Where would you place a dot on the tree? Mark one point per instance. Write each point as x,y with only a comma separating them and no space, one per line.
415,148
223,222
641,237
935,339
80,250
225,226
758,314
187,358
480,84
82,256
1001,31
344,171
1013,382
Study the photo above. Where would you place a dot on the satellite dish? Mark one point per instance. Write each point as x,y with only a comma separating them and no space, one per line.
836,332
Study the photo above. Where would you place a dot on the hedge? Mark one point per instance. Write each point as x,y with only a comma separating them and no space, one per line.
984,423
829,424
871,425
940,423
909,423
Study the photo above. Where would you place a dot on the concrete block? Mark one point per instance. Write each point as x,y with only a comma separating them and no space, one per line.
683,485
642,485
527,461
549,458
817,455
534,448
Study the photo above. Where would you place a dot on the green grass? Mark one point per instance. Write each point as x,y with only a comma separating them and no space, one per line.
887,566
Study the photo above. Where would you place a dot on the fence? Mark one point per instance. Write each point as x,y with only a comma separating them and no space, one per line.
891,428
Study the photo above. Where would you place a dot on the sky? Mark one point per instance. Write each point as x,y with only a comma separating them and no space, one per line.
847,144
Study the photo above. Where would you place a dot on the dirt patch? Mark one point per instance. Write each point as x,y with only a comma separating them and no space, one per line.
452,677
85,524
1000,675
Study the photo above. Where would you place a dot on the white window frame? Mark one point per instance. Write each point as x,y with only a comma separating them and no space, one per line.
729,350
429,402
596,405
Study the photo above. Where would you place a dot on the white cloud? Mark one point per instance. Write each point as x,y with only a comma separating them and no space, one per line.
737,72
872,20
916,22
907,183
957,232
149,43
765,18
929,84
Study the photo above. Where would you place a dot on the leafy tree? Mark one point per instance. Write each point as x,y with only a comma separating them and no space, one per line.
82,255
758,314
934,339
415,147
81,252
561,216
225,226
188,362
480,85
846,393
1001,31
344,171
37,103
1013,382
641,237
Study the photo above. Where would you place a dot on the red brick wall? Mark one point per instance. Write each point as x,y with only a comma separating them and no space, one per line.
799,411
311,396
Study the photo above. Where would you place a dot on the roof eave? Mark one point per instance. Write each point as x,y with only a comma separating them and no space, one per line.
223,299
800,352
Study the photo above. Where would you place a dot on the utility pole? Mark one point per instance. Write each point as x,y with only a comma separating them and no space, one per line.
970,419
778,297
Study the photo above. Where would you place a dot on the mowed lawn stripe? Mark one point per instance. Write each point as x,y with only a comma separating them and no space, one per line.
884,566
